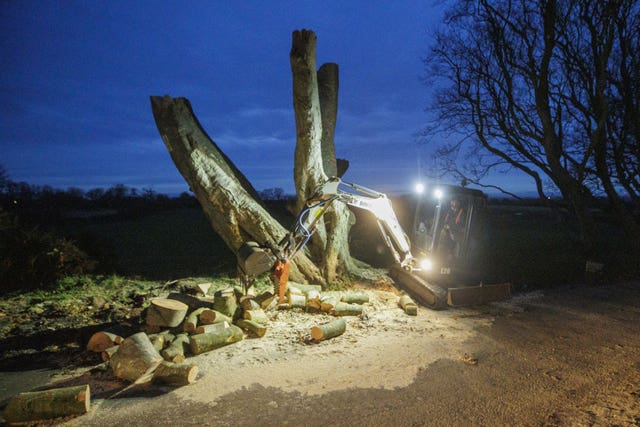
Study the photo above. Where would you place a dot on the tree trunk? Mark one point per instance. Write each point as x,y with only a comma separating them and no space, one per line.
328,330
227,198
175,374
135,357
315,103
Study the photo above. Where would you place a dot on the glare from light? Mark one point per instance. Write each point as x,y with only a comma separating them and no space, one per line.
437,193
419,188
425,264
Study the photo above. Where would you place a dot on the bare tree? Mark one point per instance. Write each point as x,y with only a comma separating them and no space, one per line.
230,202
529,87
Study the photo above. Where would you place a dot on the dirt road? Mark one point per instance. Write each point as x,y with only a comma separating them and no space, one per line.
564,357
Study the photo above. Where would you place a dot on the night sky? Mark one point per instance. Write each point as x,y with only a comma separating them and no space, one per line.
77,76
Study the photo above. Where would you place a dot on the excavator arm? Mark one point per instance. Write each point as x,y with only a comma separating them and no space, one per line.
255,259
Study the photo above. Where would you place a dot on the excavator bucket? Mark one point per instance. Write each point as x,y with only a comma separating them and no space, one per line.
425,293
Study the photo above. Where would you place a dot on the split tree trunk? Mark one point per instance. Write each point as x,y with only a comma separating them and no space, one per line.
227,198
315,103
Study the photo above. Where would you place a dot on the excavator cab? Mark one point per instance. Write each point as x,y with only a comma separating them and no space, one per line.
447,229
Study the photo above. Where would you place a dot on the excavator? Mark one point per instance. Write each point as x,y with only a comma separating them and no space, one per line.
434,271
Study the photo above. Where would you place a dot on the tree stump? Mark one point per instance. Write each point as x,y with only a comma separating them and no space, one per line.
135,357
175,374
100,341
48,404
165,312
328,330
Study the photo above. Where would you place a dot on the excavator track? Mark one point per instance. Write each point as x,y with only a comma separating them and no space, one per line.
425,293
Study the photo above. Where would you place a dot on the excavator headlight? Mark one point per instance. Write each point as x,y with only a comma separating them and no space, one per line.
426,264
419,188
437,193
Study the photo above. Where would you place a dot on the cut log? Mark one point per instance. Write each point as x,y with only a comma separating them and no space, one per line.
158,341
313,300
225,302
135,357
346,309
210,316
175,352
265,299
48,404
205,329
328,330
108,352
297,301
249,304
175,374
305,288
100,341
201,343
191,322
328,303
408,305
258,316
254,327
165,312
355,298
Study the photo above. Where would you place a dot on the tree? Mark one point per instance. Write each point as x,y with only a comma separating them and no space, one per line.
232,205
531,86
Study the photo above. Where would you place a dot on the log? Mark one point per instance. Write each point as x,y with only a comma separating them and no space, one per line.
175,374
313,300
328,330
135,357
165,312
297,301
256,328
328,303
265,299
201,343
100,341
355,298
205,329
191,322
210,316
258,316
225,302
249,304
48,404
305,288
408,305
108,352
346,309
158,341
175,352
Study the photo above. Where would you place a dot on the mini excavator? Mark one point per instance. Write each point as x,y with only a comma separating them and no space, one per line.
442,245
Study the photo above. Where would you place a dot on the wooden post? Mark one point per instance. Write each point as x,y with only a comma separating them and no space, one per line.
48,404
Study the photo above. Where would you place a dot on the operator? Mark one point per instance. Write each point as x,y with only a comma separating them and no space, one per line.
454,226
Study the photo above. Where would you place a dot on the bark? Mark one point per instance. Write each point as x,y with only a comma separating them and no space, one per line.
227,198
48,404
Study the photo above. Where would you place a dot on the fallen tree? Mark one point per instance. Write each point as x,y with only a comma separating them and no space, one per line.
230,202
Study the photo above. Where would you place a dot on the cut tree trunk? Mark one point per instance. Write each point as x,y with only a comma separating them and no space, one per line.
175,351
408,305
346,309
48,404
328,330
256,328
135,357
175,374
227,198
191,322
258,316
201,343
353,298
164,312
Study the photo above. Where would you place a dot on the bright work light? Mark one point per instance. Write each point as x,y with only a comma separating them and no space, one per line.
419,188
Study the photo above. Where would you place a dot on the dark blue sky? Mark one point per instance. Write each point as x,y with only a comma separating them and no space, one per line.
77,76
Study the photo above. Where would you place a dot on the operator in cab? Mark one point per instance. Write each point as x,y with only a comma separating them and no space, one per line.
453,227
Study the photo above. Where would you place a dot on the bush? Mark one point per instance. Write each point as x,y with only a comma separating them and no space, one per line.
31,258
